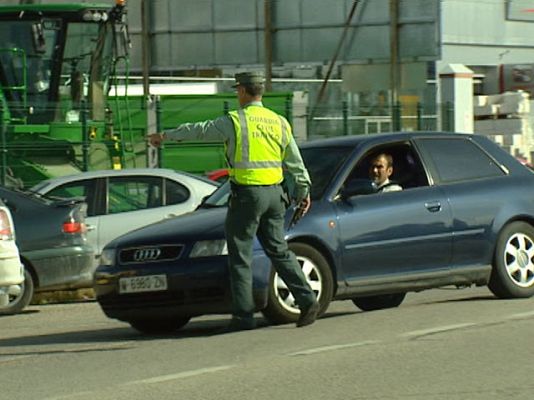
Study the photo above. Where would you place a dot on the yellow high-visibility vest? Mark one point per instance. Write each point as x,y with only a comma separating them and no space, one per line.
261,139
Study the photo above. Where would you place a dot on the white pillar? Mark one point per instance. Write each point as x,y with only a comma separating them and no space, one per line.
456,81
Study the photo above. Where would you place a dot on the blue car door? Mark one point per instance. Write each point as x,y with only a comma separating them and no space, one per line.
474,184
384,235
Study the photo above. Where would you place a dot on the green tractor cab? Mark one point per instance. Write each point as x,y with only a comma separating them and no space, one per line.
57,63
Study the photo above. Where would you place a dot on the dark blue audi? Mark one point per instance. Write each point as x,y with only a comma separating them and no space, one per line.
464,216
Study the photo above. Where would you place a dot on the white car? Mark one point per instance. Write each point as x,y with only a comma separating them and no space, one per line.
11,268
119,201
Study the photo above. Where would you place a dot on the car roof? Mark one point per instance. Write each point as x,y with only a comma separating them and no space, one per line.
354,140
161,172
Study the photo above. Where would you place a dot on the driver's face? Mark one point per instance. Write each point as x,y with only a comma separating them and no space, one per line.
379,170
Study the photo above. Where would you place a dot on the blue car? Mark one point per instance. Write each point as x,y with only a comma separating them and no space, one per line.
464,216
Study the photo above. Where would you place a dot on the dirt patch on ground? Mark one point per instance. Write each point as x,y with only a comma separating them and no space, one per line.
63,296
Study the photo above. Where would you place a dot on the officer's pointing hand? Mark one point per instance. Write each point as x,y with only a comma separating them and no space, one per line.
155,139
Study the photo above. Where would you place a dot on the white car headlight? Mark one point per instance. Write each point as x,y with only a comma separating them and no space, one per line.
208,248
108,257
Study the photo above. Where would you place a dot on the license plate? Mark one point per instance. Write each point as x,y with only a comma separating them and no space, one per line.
138,284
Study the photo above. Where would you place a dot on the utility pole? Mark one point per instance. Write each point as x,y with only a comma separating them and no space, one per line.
153,119
268,31
144,48
334,58
394,50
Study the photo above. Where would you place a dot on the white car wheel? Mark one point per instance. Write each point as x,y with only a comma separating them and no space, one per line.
313,277
518,259
512,275
281,305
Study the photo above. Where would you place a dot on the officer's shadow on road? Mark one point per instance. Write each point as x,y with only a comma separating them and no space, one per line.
107,339
124,337
94,340
117,338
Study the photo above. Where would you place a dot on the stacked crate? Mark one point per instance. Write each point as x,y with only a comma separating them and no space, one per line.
506,119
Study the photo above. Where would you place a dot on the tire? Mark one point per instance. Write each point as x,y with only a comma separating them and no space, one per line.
379,302
19,302
512,275
281,307
154,326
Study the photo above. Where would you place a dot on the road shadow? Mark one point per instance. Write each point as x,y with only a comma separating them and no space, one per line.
23,312
125,337
484,298
117,338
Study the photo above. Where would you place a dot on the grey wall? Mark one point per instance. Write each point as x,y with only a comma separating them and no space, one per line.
228,34
487,32
200,34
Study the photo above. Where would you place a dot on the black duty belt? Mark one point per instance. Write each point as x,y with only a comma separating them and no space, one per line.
236,186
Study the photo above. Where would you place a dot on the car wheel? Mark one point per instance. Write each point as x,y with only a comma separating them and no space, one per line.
158,325
379,302
512,275
17,302
281,306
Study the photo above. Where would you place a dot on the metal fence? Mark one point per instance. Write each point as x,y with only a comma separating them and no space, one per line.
30,152
341,121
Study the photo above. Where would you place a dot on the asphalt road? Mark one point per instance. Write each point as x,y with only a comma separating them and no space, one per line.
438,345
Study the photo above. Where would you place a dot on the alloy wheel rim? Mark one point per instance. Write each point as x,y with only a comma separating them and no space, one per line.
518,259
15,299
313,277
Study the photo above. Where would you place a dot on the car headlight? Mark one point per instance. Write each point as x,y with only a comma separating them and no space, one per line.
108,257
208,248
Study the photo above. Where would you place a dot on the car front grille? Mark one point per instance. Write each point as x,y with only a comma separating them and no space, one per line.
150,254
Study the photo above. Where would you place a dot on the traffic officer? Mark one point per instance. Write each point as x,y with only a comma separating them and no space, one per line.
258,143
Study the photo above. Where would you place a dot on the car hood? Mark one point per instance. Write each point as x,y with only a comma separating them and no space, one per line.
198,225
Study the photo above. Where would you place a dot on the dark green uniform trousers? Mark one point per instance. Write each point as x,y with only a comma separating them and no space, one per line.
260,210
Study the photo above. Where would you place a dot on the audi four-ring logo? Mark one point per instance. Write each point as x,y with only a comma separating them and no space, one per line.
146,254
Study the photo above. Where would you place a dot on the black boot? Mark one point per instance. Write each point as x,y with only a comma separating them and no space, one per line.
308,315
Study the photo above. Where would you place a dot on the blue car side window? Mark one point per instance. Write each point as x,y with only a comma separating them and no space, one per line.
458,160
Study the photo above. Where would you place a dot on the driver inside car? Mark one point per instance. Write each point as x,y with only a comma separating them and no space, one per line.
380,169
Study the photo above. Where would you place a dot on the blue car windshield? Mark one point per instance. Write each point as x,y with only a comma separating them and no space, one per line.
322,164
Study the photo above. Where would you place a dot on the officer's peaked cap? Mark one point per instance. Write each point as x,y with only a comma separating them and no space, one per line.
249,78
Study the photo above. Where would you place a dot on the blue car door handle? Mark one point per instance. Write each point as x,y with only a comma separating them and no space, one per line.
433,206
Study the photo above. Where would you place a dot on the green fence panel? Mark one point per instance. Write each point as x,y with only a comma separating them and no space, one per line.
130,118
178,109
193,157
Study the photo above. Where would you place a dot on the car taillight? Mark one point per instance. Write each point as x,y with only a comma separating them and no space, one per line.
6,230
73,226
